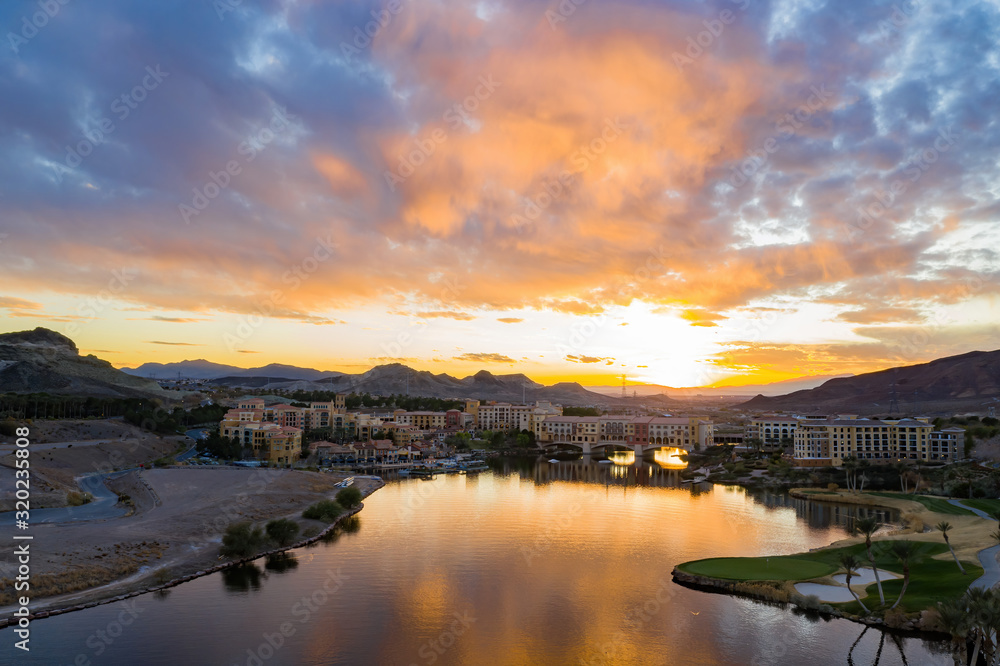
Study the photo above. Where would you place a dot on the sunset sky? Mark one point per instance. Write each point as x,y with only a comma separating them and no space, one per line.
686,192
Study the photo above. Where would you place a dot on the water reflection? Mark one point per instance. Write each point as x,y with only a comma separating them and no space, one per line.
281,562
531,563
242,578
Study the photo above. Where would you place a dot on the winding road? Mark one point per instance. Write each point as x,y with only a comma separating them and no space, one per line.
987,556
105,502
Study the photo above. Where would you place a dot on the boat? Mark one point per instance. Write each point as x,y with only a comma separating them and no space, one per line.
403,472
553,460
604,462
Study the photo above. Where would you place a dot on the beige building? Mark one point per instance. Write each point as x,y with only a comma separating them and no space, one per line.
826,441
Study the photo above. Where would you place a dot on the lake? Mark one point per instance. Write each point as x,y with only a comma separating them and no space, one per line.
529,563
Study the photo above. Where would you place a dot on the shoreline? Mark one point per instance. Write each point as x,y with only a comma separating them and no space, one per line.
108,598
784,593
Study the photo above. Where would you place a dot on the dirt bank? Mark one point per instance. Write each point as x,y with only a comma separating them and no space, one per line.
175,530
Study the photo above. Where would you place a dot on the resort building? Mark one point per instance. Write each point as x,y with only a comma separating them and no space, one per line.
826,441
773,430
270,442
649,431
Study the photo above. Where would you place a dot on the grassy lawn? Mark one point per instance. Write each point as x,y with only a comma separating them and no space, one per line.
990,506
930,580
935,504
758,568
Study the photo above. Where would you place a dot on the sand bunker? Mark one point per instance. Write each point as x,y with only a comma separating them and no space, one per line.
865,576
830,593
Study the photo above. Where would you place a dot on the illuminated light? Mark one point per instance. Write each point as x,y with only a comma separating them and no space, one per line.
670,458
622,457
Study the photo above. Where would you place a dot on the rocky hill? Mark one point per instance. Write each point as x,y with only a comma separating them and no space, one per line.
45,361
969,382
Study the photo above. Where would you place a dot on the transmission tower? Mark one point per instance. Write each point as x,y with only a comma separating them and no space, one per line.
624,389
893,402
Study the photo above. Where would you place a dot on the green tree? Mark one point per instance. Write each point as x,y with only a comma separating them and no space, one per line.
241,540
954,619
945,527
904,552
867,527
850,565
349,497
325,510
282,531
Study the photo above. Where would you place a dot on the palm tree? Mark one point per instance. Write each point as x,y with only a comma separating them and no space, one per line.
850,465
945,526
902,467
850,564
955,621
868,526
904,552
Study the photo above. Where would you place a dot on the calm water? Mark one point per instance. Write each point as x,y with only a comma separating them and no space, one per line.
532,563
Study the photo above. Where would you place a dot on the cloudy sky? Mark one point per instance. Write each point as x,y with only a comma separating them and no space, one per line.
685,192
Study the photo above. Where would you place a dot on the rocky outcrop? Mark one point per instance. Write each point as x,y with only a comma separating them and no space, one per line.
44,361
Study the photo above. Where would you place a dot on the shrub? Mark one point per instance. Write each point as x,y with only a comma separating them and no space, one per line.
327,511
241,540
282,531
349,497
78,499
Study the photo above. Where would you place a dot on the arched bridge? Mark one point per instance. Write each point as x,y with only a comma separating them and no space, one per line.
640,448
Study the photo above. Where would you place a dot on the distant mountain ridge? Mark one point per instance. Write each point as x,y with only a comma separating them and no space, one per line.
396,378
965,382
202,369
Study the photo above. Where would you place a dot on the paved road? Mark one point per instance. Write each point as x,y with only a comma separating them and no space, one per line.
196,435
987,556
104,505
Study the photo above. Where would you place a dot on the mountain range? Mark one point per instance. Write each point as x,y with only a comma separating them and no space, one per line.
955,383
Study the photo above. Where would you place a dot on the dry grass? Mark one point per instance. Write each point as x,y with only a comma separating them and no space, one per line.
80,577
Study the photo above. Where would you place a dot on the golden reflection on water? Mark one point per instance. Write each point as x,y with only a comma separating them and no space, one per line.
670,458
622,457
667,458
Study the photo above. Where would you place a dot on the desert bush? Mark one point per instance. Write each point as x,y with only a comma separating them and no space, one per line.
349,497
326,510
78,499
282,531
241,540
